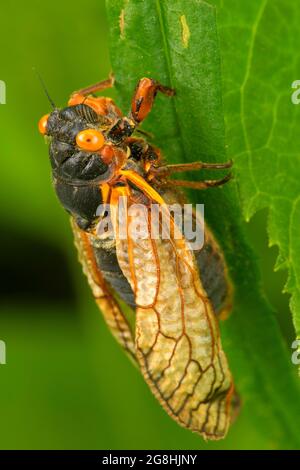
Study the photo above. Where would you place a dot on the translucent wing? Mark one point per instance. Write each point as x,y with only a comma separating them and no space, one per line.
214,275
177,338
108,305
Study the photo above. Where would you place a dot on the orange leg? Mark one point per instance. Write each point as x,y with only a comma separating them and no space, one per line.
201,184
167,170
161,174
176,168
143,98
103,85
141,105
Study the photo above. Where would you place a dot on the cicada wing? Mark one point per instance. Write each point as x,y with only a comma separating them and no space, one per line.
177,338
213,271
209,257
112,313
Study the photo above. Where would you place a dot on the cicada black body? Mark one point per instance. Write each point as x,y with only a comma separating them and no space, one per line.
99,163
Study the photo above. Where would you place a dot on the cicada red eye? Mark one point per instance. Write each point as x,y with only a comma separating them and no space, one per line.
90,139
43,124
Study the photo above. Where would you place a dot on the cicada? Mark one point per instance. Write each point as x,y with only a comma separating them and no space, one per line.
100,160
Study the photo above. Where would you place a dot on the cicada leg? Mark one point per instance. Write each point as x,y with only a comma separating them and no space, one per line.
201,184
144,96
176,168
101,104
99,86
161,174
141,106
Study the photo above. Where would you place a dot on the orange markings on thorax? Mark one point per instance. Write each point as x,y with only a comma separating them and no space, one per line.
101,104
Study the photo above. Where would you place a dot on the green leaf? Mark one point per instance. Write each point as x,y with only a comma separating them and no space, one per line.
262,123
177,43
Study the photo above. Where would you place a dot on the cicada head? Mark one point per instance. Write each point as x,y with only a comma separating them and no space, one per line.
76,139
82,158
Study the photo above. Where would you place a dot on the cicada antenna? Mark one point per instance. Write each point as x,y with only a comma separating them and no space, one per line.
44,88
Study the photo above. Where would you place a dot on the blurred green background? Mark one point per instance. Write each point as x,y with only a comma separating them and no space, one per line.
67,384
